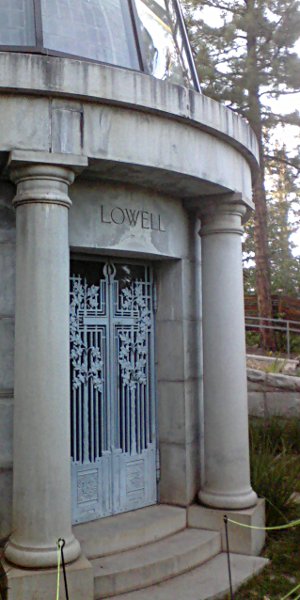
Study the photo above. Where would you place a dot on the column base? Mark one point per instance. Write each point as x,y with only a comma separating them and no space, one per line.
242,540
228,501
31,584
35,557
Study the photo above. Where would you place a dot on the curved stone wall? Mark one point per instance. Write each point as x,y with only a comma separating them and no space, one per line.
132,127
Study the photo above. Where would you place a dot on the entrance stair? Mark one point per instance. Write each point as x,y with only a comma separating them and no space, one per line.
151,554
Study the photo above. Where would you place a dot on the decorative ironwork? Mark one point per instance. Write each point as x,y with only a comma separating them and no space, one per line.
134,349
112,381
86,360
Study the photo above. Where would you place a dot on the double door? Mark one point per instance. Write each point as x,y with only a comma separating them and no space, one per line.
113,410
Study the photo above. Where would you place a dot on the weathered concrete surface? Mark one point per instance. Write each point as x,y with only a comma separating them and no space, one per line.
207,582
73,78
134,128
42,490
7,327
273,394
154,563
7,213
227,467
8,273
37,584
114,218
6,502
243,540
6,461
135,551
179,372
129,530
114,139
6,429
7,306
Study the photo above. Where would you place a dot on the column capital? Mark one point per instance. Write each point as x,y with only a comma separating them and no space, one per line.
43,177
222,214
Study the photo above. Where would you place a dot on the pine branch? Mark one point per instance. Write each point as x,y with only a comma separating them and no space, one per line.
285,161
234,10
279,92
279,23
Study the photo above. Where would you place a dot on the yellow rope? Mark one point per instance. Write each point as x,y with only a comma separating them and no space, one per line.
291,592
277,528
58,569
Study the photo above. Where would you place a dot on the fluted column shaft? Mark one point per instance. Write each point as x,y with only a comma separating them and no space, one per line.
227,473
41,484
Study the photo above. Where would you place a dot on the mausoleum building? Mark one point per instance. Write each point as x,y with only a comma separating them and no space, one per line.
123,391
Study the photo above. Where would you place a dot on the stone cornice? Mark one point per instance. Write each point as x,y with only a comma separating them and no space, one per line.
78,79
18,158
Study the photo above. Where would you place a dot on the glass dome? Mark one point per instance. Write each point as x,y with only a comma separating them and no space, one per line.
144,35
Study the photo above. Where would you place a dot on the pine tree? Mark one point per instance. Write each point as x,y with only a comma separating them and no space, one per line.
283,195
244,62
283,221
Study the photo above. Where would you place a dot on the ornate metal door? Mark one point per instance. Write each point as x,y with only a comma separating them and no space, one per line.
113,420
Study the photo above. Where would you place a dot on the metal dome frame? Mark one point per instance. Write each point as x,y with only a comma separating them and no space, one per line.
39,47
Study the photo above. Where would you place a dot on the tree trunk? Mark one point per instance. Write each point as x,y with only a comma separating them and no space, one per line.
263,287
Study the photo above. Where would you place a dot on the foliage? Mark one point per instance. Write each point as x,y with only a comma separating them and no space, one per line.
283,572
280,433
283,196
277,366
246,60
226,68
283,221
275,466
252,339
279,439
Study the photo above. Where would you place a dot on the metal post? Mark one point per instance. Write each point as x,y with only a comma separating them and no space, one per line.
288,341
228,557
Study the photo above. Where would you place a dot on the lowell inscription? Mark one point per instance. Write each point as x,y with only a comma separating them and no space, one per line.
132,216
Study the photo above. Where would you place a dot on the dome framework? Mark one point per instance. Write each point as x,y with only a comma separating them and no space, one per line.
143,35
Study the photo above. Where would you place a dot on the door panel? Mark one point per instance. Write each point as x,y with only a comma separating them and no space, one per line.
113,421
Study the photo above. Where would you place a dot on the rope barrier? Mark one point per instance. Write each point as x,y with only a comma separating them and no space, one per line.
59,546
291,592
61,562
228,558
275,528
62,545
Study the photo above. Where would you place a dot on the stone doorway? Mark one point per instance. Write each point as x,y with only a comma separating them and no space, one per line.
113,408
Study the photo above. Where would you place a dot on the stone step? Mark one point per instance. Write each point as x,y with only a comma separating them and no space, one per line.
129,530
154,562
207,582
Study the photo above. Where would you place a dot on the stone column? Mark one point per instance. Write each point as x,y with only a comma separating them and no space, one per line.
227,473
41,485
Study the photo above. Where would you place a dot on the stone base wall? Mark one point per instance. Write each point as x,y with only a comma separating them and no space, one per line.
273,394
